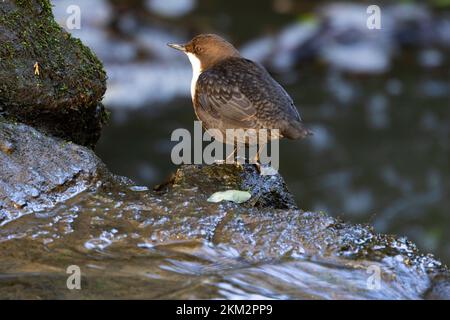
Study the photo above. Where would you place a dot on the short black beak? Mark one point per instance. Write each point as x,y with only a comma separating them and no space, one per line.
177,46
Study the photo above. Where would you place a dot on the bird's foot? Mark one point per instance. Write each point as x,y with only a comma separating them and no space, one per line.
239,163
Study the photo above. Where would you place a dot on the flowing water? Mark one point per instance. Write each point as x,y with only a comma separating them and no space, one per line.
130,243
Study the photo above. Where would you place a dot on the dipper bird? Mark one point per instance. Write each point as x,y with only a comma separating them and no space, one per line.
231,92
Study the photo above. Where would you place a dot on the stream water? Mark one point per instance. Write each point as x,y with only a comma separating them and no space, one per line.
129,243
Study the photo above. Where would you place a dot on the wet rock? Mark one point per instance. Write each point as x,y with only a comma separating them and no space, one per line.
38,171
440,289
48,79
173,243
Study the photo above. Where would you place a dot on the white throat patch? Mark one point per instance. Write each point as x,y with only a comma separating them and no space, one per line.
196,71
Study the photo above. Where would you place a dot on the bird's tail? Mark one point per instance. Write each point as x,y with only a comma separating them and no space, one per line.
296,130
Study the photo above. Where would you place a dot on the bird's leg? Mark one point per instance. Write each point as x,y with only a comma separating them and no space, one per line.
237,162
235,156
231,155
256,160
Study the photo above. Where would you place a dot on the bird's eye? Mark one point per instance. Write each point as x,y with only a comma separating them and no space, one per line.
199,49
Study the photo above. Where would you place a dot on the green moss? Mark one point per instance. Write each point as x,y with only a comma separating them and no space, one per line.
71,82
50,37
46,6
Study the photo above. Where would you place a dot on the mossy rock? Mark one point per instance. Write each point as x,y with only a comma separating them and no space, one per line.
64,98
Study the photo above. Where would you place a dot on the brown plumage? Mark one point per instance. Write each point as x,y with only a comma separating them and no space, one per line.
231,92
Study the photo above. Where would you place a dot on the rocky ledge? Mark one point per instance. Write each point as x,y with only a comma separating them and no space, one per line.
61,206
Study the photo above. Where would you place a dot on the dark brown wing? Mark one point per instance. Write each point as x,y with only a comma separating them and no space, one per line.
238,93
222,104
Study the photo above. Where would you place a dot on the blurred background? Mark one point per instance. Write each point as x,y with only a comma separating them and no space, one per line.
378,101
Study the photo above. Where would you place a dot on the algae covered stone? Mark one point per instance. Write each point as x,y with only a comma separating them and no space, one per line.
47,78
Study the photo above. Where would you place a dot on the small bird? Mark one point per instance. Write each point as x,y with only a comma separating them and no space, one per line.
231,92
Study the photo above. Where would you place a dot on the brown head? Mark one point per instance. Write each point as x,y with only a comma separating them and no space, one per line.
209,49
